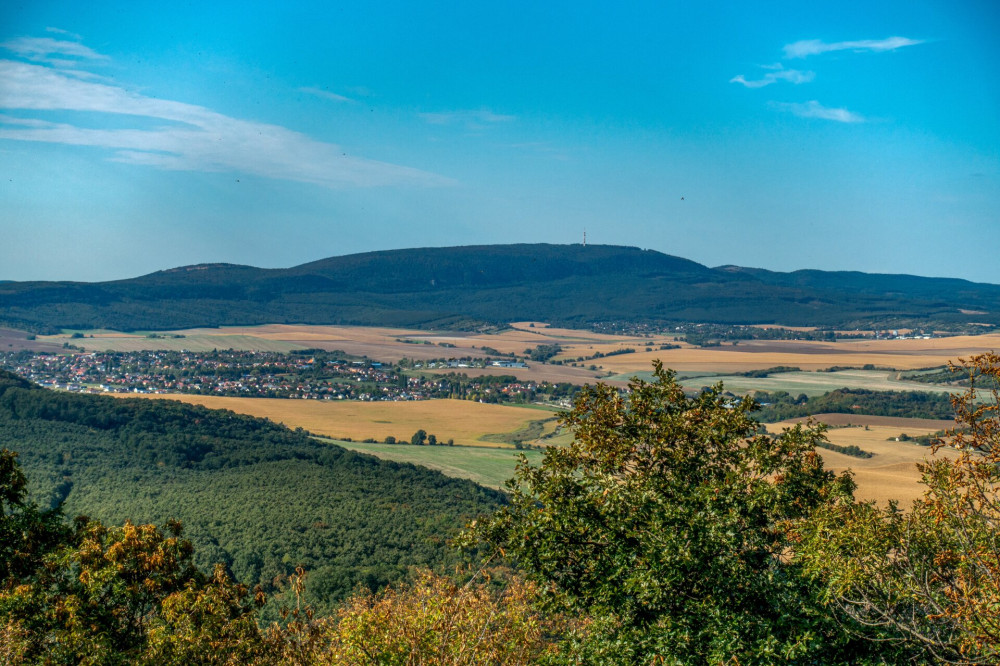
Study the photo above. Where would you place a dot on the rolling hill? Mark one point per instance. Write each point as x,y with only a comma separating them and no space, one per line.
460,287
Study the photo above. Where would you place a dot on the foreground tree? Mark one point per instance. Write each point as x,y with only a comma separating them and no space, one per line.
107,596
437,622
129,595
929,576
666,523
98,595
27,533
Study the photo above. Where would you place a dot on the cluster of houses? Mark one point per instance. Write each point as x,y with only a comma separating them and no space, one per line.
240,373
254,374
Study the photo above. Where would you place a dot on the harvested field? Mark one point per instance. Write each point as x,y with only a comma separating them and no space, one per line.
465,421
122,342
807,355
818,383
892,473
386,344
12,341
903,424
538,372
569,334
392,344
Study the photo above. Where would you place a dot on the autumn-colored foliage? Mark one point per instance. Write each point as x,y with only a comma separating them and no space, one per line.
130,595
127,595
929,576
437,622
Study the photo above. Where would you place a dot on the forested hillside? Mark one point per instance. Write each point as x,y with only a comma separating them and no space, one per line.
467,286
251,494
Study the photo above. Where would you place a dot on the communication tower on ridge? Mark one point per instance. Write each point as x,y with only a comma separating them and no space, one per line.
585,238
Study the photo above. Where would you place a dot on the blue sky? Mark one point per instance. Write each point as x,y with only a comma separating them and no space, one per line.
843,136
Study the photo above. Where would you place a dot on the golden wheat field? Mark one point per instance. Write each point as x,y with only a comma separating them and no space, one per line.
465,421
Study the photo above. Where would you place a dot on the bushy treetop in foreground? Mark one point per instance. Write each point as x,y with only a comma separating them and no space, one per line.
667,523
929,576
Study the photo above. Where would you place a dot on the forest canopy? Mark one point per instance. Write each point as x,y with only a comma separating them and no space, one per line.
253,495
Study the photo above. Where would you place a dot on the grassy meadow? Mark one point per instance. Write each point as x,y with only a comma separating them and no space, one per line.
490,467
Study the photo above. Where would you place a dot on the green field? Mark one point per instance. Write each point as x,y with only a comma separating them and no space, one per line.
486,466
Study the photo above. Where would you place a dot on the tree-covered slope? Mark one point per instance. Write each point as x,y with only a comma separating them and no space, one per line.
459,286
254,495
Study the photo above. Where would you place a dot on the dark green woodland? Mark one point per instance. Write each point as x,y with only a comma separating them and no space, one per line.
255,496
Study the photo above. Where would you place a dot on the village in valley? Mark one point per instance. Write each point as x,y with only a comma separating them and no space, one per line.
315,375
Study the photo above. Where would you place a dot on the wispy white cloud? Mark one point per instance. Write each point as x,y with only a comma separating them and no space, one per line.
42,49
777,73
813,109
191,137
67,33
325,94
809,47
25,122
471,119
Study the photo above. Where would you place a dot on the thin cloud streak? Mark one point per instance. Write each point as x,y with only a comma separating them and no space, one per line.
790,75
813,109
60,31
325,94
39,49
472,119
192,138
808,47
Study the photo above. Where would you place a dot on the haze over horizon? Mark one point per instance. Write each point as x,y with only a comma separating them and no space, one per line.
834,136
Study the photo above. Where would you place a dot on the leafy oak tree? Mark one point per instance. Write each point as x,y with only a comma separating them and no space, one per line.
666,523
929,576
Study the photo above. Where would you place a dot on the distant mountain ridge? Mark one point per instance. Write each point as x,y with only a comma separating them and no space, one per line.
471,285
